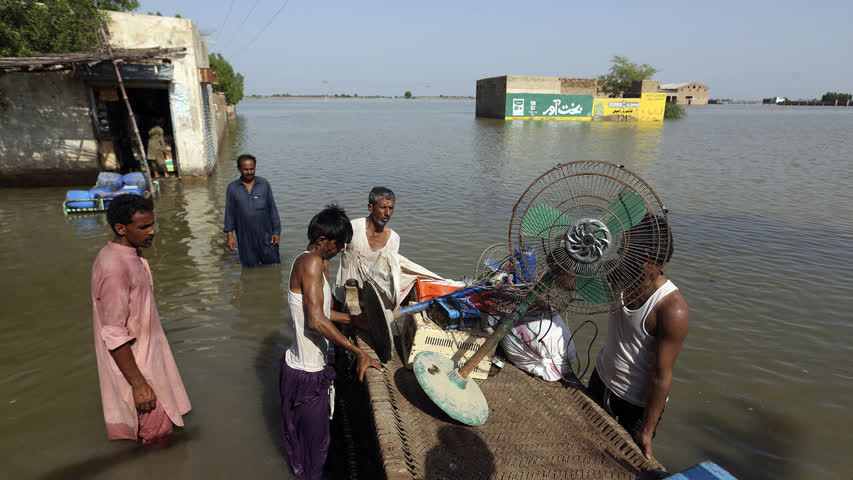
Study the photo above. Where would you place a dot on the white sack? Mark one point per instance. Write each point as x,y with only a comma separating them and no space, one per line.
540,344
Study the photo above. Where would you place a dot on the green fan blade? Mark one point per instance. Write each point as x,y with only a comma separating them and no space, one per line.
594,289
541,219
627,211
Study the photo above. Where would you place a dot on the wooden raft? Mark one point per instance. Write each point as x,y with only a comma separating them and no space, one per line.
535,430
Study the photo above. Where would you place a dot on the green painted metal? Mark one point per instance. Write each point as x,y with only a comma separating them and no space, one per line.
627,211
543,221
548,105
460,398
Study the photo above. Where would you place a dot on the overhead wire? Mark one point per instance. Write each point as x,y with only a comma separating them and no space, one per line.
262,30
225,20
243,22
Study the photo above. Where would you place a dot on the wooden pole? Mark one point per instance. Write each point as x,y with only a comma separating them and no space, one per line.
130,113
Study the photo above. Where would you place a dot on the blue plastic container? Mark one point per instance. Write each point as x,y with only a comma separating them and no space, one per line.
84,197
706,470
108,197
109,181
132,189
136,179
98,192
524,266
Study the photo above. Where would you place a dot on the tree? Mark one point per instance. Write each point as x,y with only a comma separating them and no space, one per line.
29,27
622,73
229,83
408,94
833,96
673,112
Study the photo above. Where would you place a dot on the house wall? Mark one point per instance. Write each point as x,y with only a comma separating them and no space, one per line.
491,97
697,91
131,30
46,133
220,116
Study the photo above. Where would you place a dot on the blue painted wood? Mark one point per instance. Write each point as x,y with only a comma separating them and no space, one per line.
706,470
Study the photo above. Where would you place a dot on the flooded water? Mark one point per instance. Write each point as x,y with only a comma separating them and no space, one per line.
760,203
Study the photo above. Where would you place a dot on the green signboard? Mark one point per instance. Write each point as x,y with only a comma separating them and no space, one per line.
548,106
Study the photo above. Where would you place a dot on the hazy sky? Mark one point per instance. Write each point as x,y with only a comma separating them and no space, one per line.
741,49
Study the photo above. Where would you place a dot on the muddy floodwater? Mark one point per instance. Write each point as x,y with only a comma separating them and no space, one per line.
760,205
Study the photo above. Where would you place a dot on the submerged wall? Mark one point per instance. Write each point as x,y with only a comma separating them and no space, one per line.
46,134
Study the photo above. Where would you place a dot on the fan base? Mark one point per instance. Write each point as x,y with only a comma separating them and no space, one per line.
459,397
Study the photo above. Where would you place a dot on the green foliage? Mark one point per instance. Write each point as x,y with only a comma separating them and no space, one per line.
408,94
622,73
29,27
673,112
230,84
118,5
833,96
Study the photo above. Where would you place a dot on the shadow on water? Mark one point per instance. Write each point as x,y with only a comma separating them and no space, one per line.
132,452
760,448
460,453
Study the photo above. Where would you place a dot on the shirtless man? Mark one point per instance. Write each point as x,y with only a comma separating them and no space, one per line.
306,375
633,373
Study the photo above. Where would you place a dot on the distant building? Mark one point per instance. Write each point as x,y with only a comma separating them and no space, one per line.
773,100
512,97
692,93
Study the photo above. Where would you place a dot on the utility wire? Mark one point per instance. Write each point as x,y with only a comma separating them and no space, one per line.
225,20
265,26
231,37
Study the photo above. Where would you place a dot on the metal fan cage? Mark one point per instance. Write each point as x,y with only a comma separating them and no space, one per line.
595,226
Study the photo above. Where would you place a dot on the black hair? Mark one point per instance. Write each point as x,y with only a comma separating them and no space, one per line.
380,193
123,207
653,237
332,222
246,156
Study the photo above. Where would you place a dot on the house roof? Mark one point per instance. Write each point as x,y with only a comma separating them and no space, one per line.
65,61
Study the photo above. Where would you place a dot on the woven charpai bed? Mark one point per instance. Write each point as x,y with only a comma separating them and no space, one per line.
535,430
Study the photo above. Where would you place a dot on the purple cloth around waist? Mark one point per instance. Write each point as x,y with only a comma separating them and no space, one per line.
305,418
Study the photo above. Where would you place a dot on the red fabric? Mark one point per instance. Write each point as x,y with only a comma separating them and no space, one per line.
427,290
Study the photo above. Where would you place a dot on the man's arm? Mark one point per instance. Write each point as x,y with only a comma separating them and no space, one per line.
670,332
311,273
228,227
143,395
275,220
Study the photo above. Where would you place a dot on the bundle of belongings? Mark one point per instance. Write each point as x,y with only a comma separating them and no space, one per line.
541,344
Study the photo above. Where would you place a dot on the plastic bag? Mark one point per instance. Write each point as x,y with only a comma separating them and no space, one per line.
540,344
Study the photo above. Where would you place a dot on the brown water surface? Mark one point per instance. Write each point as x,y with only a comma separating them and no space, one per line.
760,206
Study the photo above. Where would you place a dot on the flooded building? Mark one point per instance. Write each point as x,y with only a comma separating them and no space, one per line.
62,117
692,93
513,97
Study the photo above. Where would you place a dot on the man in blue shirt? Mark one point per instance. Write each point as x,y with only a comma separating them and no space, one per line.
250,212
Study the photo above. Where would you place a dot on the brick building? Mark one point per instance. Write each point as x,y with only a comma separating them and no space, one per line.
692,93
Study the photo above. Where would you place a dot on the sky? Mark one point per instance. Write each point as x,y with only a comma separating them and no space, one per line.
740,49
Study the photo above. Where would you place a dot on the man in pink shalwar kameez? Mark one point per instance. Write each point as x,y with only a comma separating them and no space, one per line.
141,390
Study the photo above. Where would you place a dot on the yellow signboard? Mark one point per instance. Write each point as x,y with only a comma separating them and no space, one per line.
652,106
616,109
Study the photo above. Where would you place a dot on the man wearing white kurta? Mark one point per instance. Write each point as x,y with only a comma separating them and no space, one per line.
373,250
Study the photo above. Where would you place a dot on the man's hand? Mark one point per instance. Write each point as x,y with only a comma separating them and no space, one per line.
364,362
232,242
644,440
275,239
143,397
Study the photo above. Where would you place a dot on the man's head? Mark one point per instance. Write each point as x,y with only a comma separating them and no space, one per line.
246,165
331,230
649,246
380,205
132,219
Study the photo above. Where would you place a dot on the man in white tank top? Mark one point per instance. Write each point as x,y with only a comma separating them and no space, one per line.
305,376
371,240
633,373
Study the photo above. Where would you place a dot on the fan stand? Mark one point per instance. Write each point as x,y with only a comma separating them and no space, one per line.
451,389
